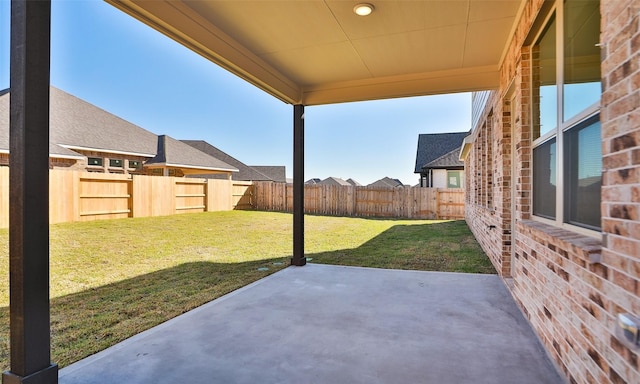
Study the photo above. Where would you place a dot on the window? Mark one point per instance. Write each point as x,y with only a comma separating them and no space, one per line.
135,164
583,174
453,179
95,161
115,163
544,174
567,158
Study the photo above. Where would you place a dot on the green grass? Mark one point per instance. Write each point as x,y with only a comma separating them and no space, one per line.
113,279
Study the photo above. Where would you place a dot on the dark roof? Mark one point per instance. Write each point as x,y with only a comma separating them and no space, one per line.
334,181
54,149
277,173
313,181
449,160
245,172
386,182
432,146
172,152
77,124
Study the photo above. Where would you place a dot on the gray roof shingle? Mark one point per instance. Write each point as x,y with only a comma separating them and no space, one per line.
432,146
449,160
334,181
277,173
354,183
54,149
245,172
386,182
172,152
76,124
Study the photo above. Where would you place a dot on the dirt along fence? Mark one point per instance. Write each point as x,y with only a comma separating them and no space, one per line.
407,202
83,196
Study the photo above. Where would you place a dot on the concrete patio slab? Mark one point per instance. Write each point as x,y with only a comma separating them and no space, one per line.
333,324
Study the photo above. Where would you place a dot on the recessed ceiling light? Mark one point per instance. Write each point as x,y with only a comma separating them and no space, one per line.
363,9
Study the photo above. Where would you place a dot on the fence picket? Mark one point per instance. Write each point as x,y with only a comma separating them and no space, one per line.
408,202
82,196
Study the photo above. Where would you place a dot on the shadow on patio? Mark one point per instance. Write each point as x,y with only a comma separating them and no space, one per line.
336,324
89,321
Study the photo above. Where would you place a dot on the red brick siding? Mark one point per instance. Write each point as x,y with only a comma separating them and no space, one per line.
571,302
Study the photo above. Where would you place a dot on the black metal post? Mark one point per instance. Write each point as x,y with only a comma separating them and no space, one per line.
29,195
298,186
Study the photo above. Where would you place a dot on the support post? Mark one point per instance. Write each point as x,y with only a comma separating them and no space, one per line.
298,186
29,195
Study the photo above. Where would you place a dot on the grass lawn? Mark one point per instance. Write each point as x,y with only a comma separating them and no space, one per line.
113,279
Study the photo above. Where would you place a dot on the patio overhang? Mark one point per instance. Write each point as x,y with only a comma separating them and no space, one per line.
321,52
302,52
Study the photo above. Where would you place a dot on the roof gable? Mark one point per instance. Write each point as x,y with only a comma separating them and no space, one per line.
334,181
386,182
245,172
448,160
277,173
172,152
432,146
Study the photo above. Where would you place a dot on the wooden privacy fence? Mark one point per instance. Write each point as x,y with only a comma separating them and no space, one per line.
83,196
408,202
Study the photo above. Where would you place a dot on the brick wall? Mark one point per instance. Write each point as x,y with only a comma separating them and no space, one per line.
570,286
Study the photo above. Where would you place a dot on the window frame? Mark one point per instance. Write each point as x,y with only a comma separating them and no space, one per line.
562,126
101,161
457,174
121,166
136,167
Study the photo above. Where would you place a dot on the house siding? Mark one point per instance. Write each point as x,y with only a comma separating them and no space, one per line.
106,157
440,178
571,300
54,163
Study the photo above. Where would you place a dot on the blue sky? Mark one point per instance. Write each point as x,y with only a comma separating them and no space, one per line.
108,59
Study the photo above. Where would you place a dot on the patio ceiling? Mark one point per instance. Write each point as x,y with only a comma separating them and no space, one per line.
320,52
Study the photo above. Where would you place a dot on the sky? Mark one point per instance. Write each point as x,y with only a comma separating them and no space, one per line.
107,58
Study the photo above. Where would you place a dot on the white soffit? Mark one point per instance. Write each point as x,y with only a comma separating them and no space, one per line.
319,52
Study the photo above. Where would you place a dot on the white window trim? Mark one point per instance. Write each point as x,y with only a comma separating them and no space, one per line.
561,126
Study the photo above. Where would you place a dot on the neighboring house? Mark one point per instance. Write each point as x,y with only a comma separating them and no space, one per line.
354,183
313,181
245,172
562,117
334,181
175,158
437,160
386,182
277,173
85,137
447,171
